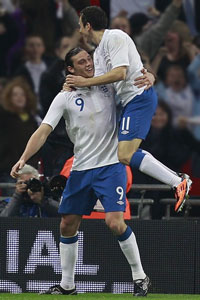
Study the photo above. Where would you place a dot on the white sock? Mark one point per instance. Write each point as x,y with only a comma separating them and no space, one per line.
130,249
157,170
68,256
170,170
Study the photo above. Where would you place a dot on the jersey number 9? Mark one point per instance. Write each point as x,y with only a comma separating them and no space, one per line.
80,102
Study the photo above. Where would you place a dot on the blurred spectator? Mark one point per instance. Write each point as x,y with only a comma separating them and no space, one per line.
9,5
8,37
17,123
173,51
129,7
49,19
121,22
30,198
35,62
192,11
79,5
149,36
16,49
177,93
172,146
139,23
194,66
3,82
189,13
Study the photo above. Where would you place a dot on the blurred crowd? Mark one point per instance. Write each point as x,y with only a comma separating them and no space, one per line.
34,38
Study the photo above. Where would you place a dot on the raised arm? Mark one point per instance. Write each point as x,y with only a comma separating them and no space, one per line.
35,142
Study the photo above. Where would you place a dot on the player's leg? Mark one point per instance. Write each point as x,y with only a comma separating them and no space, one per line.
110,186
77,200
69,226
69,249
127,242
130,154
134,126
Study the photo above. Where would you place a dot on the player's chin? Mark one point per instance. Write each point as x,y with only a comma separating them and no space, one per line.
89,74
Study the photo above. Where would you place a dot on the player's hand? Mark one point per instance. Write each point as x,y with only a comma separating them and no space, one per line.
147,79
15,169
76,81
66,88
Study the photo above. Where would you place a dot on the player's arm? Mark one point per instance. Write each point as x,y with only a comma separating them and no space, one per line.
117,49
116,74
35,142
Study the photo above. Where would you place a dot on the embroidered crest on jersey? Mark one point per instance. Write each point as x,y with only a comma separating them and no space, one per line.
105,90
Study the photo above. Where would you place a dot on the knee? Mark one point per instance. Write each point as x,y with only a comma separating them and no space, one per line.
68,226
116,226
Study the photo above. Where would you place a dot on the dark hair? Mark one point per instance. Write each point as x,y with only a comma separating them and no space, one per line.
95,16
137,21
70,54
175,66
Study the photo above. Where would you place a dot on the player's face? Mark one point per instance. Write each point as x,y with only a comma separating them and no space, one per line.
82,65
85,30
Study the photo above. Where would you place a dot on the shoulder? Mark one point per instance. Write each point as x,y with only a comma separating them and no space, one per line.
63,98
115,33
115,37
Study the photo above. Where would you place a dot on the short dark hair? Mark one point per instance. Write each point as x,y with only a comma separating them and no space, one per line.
95,16
70,54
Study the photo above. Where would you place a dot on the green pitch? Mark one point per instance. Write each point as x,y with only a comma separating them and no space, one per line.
97,297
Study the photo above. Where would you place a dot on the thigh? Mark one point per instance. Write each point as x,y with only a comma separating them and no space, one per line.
137,115
78,196
110,187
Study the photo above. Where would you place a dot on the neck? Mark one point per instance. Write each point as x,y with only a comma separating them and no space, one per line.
97,36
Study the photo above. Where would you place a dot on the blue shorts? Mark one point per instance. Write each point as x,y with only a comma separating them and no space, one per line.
83,188
136,116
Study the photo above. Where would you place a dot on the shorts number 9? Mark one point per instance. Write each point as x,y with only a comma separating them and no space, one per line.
120,192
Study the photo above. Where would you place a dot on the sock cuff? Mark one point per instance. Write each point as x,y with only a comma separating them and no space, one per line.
69,240
137,159
124,236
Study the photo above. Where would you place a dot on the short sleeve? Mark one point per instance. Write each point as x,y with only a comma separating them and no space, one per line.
117,48
55,111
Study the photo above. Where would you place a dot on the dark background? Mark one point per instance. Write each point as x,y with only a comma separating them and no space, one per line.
169,253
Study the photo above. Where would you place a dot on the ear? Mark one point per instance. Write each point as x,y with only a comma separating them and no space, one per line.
88,26
70,69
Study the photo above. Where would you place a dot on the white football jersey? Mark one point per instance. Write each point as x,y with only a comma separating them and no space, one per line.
90,118
118,49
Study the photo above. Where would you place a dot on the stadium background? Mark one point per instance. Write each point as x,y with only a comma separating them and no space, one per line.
169,250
